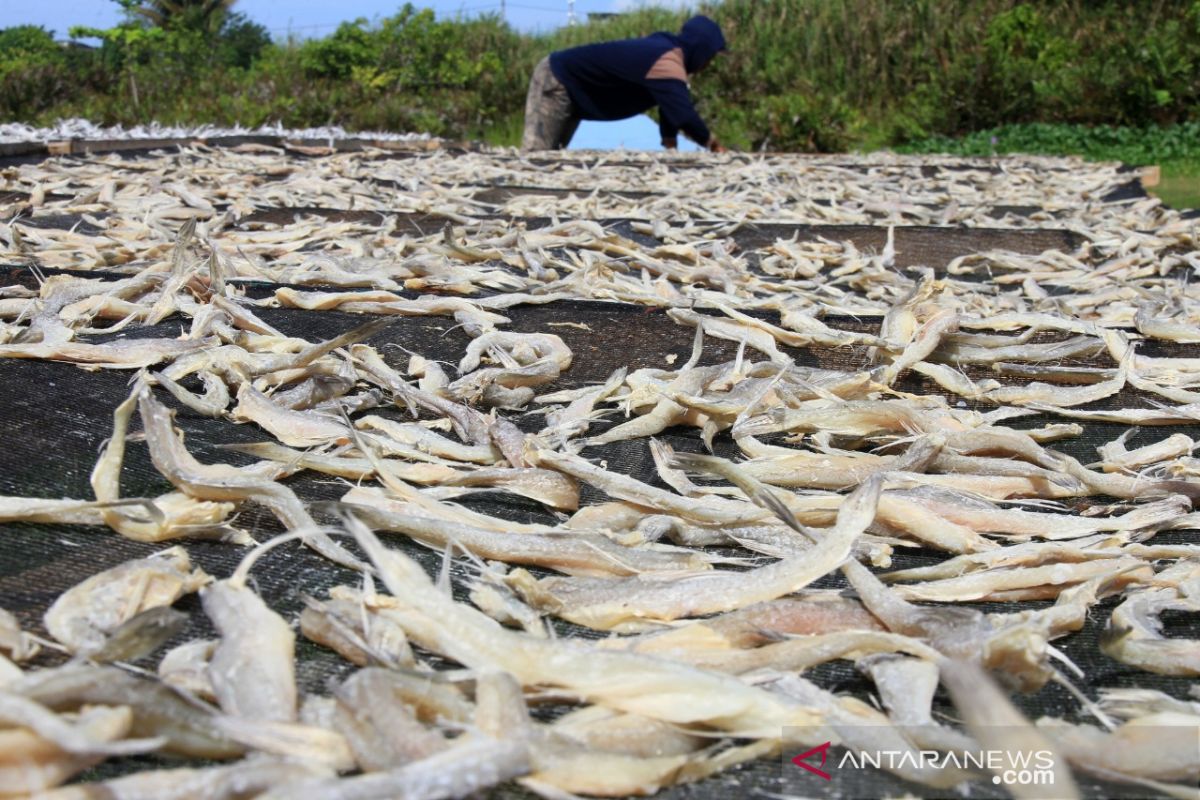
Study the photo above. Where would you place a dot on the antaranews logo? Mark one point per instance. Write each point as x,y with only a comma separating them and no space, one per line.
869,771
934,762
802,760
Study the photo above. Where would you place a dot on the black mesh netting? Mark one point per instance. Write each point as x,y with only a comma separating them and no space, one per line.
56,416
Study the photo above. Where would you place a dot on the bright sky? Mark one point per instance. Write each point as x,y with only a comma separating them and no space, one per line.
304,18
315,17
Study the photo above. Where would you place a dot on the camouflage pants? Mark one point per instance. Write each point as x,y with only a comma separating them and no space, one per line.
550,116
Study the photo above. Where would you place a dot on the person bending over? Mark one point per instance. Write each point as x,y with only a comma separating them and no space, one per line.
617,80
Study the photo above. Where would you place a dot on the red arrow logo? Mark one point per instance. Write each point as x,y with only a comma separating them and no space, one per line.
823,749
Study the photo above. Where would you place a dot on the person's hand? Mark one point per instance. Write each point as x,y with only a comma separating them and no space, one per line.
715,146
670,144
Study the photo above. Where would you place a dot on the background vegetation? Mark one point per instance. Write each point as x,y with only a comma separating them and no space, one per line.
965,75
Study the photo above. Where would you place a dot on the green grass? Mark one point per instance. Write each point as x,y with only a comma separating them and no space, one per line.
1180,190
1177,145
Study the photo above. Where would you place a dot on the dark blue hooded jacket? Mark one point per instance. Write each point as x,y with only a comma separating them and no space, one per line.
615,80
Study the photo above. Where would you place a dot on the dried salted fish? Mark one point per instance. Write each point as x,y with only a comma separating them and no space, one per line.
1013,333
906,687
171,515
310,744
69,512
720,328
920,345
754,626
212,403
1055,373
388,303
471,764
187,729
339,624
433,697
607,604
895,513
344,466
599,755
83,617
799,653
716,510
985,517
545,486
625,681
630,734
963,353
17,711
470,425
1130,704
1021,583
1140,752
237,364
864,729
18,644
41,751
124,354
314,391
222,482
993,720
858,418
831,468
423,440
1036,393
182,783
491,596
186,667
572,552
252,669
1134,632
1021,555
597,751
1116,458
293,428
1157,326
523,348
379,724
1017,647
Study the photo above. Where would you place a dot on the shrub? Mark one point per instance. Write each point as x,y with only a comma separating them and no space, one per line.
800,74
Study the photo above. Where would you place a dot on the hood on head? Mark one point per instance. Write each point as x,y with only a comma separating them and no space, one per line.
702,40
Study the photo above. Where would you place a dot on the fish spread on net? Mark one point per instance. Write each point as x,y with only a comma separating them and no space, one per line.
709,649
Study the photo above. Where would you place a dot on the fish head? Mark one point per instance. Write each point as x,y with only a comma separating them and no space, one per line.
1018,656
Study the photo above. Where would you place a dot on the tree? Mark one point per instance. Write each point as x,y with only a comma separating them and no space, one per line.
26,41
206,16
241,41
